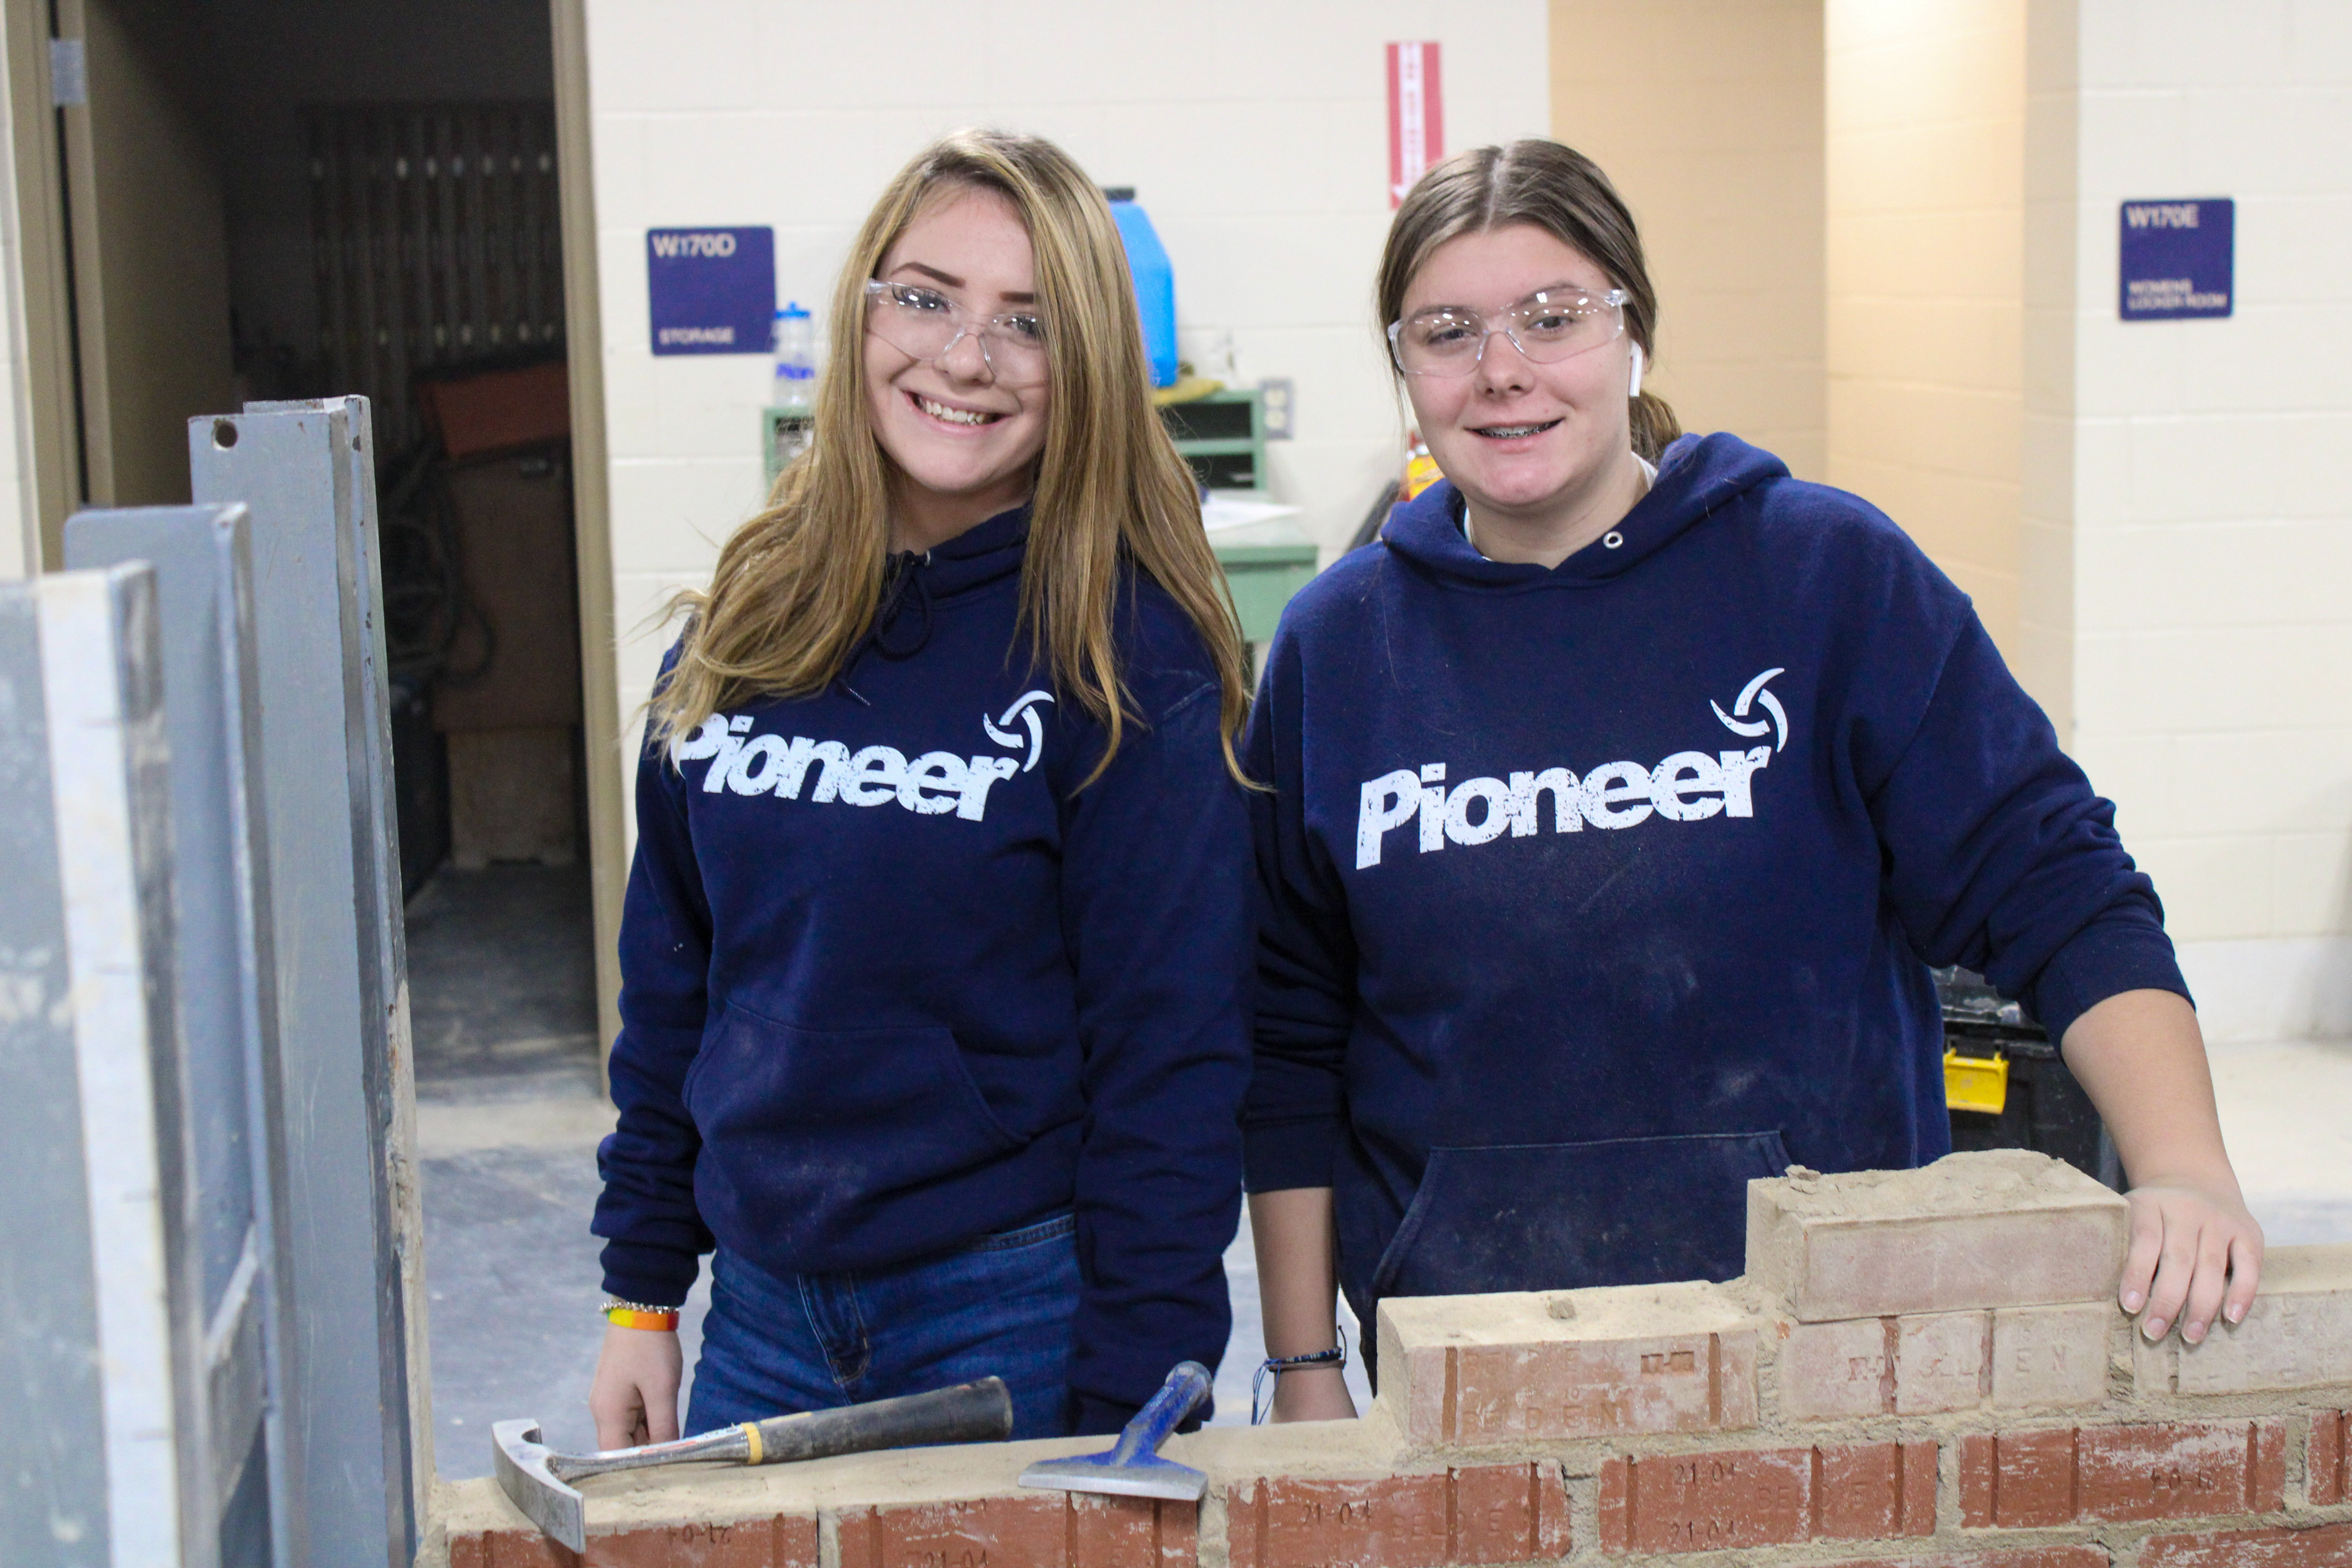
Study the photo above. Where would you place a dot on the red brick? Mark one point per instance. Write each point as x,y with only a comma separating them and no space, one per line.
2017,1480
1838,1369
1467,1372
2325,1465
1045,1530
1131,1532
1706,1502
2328,1546
1997,1228
1509,1513
2085,1555
2022,1481
1866,1490
2181,1471
1486,1514
1397,1521
1755,1497
786,1541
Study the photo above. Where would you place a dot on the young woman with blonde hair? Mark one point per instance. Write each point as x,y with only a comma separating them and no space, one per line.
935,951
1622,794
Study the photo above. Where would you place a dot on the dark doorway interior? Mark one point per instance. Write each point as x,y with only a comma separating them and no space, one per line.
369,190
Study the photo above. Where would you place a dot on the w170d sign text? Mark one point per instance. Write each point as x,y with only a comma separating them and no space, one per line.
713,290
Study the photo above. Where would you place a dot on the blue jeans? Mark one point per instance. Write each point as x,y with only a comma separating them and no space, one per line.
775,1346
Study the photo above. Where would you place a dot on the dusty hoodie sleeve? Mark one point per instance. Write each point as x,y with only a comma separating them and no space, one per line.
1305,956
1156,903
1999,854
653,1234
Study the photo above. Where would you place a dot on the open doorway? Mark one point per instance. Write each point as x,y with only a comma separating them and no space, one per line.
265,200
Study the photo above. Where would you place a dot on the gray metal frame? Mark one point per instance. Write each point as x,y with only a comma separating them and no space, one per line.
362,1425
104,1352
227,992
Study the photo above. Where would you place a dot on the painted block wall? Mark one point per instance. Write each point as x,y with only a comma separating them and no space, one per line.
2210,523
1707,115
1255,136
1925,107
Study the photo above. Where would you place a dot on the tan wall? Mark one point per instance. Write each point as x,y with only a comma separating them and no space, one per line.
1925,120
1707,116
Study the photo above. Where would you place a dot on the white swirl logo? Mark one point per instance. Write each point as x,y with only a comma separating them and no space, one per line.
1739,723
1025,709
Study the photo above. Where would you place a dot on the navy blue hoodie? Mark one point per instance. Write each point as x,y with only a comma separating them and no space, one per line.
892,981
1591,892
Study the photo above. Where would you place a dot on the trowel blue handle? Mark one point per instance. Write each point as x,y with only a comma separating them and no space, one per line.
1185,1388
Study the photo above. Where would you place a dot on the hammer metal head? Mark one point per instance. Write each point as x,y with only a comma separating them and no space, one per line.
523,1475
1146,1475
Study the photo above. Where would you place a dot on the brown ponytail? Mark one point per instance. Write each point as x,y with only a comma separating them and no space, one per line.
1556,189
1654,425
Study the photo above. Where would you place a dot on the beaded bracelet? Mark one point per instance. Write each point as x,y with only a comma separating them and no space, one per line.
638,1315
1274,1366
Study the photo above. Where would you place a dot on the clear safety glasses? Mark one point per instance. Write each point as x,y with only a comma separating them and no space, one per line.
1545,327
926,323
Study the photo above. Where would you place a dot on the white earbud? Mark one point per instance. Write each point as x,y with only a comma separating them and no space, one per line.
1634,388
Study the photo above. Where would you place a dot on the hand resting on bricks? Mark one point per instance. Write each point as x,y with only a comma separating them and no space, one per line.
2194,1248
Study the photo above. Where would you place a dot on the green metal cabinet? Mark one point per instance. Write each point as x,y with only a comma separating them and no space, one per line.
1264,572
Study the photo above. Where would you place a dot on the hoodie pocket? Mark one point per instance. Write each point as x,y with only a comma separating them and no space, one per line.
1559,1216
824,1118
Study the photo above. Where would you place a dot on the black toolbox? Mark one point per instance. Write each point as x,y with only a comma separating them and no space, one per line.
2007,1087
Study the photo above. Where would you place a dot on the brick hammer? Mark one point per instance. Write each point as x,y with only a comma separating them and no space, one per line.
537,1477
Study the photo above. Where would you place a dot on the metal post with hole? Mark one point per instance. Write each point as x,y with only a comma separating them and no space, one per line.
359,1402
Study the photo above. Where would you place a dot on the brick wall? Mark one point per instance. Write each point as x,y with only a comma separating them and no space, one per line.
1920,1370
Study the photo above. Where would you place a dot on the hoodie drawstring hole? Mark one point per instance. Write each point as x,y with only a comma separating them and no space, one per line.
1612,539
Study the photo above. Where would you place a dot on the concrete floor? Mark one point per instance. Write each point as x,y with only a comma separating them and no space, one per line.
502,978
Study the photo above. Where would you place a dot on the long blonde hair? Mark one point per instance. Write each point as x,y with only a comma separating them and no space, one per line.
797,586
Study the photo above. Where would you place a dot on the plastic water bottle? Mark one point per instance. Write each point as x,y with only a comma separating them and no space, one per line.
793,397
1155,282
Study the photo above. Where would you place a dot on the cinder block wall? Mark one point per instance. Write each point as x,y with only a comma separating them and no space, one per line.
2199,532
1255,136
1920,1370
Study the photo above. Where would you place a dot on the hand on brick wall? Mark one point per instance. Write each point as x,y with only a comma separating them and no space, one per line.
2194,1246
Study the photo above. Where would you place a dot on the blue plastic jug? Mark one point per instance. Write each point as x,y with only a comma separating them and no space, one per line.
1155,282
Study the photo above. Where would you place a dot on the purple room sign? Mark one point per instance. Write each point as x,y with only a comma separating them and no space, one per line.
713,290
2177,259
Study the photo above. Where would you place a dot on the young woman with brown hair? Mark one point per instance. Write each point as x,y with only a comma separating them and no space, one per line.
1530,1017
935,951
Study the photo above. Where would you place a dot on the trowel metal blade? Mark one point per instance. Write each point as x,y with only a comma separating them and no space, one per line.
557,1509
1145,1476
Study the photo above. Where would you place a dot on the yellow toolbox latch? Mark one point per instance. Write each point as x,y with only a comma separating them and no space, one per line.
1975,1083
